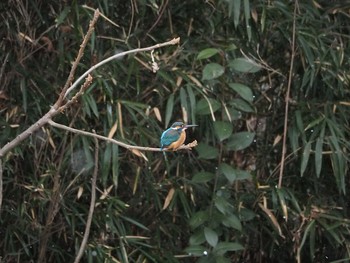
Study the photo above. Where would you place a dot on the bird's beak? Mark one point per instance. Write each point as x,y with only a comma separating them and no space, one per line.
190,125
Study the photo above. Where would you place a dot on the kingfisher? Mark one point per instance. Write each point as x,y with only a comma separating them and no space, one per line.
175,136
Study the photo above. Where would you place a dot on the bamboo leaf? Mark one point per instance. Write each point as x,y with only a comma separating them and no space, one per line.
228,171
223,130
211,236
202,177
281,197
115,164
207,53
236,4
247,18
244,65
318,156
169,109
244,91
199,219
305,158
242,105
232,221
192,99
222,204
206,152
314,123
197,238
223,247
196,251
240,140
209,106
212,71
243,175
62,16
184,104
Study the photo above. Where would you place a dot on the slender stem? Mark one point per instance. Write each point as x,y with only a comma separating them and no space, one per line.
284,143
122,144
92,206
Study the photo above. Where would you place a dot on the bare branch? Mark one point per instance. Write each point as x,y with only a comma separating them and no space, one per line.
137,50
79,56
59,105
24,135
55,110
122,144
83,87
92,206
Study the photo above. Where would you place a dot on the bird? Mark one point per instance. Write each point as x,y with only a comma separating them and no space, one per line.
175,136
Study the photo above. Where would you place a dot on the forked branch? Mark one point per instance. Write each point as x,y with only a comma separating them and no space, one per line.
63,102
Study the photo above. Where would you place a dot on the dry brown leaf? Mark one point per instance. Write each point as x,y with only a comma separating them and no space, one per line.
184,115
80,192
277,140
48,43
139,154
168,198
273,219
106,192
178,81
113,130
157,113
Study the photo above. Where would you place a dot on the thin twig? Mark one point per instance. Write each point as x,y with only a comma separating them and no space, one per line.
161,12
122,144
260,62
83,87
284,143
92,206
171,42
79,56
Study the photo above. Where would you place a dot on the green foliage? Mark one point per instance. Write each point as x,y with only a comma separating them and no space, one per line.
218,203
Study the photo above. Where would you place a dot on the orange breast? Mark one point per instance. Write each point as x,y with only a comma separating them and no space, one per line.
179,142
